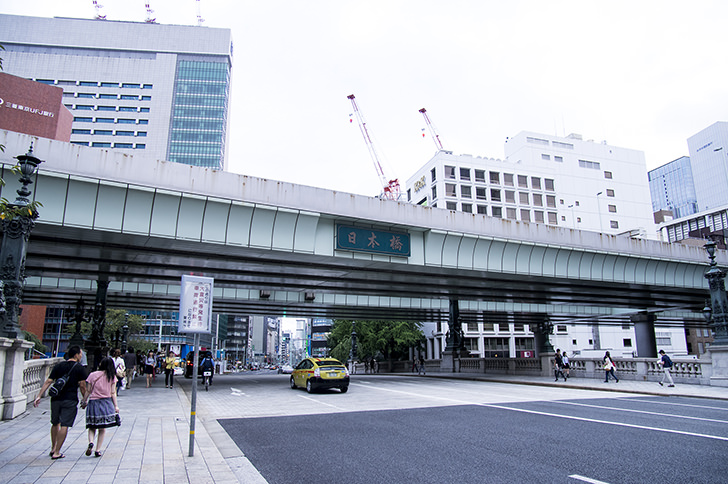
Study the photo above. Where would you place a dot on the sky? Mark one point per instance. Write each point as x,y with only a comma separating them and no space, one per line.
644,75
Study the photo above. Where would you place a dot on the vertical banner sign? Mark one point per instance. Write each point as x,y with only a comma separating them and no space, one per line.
195,304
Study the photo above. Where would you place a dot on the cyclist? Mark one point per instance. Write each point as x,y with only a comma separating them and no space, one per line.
207,364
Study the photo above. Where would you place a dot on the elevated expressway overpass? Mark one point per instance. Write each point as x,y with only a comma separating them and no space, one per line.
271,248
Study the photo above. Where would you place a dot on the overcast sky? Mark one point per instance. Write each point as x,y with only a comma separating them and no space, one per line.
640,74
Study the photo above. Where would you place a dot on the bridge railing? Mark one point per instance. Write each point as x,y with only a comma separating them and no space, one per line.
35,373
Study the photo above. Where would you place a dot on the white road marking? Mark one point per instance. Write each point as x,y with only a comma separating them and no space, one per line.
586,479
675,403
618,424
237,393
644,411
322,403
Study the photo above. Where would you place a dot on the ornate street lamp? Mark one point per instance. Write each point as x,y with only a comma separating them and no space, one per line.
715,314
352,351
17,223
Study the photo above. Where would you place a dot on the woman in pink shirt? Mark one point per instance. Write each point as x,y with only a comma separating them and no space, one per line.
101,406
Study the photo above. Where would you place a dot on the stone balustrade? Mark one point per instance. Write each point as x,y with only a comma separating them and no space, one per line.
35,373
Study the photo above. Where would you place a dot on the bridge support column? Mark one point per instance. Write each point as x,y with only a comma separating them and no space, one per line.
455,343
644,333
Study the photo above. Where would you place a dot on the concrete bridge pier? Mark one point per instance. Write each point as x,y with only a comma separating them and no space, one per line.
644,332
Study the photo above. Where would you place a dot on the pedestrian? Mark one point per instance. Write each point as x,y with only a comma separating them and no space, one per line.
609,368
64,406
422,365
120,368
130,360
149,367
102,408
558,366
169,363
665,362
565,363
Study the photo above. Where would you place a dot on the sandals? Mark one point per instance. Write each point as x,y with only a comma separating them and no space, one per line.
90,448
61,456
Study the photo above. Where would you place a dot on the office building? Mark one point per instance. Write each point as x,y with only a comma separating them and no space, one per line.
158,90
565,182
320,330
672,189
709,159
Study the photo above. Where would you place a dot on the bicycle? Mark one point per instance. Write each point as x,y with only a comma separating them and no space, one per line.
206,377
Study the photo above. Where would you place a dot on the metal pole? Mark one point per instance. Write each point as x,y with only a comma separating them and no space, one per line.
193,401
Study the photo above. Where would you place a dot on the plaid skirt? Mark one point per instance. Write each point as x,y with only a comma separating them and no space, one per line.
100,414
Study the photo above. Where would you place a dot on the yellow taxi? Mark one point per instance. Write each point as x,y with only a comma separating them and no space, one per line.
318,373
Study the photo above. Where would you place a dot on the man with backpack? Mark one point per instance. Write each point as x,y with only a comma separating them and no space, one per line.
64,404
666,363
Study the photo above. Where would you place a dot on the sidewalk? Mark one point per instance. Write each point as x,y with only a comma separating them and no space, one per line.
152,444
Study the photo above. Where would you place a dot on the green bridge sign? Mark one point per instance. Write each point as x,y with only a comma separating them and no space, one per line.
373,241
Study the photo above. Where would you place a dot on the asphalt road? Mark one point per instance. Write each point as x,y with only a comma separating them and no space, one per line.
411,430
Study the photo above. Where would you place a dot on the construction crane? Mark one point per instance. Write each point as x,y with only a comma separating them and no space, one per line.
149,19
390,188
98,8
433,131
200,20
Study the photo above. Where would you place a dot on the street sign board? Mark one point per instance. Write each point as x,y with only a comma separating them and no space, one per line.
195,304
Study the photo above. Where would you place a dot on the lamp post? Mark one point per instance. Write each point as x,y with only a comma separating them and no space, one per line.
715,314
573,219
352,351
17,223
599,209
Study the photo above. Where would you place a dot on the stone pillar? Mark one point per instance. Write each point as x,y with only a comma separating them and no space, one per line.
644,333
5,344
719,365
14,400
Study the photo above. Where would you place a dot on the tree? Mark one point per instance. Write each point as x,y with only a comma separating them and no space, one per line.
115,321
39,346
391,339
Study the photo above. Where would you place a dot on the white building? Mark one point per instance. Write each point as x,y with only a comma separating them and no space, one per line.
569,182
163,89
709,160
577,184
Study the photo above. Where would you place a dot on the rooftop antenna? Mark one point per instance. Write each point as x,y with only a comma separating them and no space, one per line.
149,19
98,8
200,20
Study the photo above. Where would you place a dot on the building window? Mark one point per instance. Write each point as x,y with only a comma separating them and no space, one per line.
127,109
610,192
88,84
538,199
84,107
550,201
102,132
147,86
552,217
143,121
614,224
80,143
480,176
523,198
548,184
535,183
511,213
559,144
522,181
450,190
592,165
146,98
82,120
612,208
466,191
131,86
451,206
558,159
140,146
108,96
141,134
434,193
510,196
627,342
433,174
125,121
468,207
495,195
483,209
495,177
465,174
450,172
497,212
85,95
123,145
124,133
80,131
101,145
508,179
525,215
143,110
537,141
608,174
129,97
538,216
109,84
480,193
545,156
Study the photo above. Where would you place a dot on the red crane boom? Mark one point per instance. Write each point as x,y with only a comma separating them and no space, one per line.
433,131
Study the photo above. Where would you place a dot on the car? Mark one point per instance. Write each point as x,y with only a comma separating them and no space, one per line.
285,369
320,373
